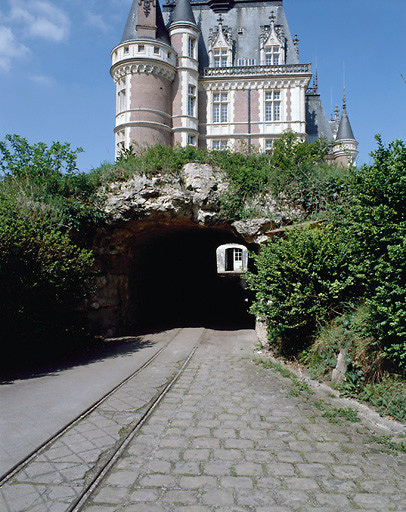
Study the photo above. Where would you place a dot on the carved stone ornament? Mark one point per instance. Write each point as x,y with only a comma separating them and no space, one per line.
147,6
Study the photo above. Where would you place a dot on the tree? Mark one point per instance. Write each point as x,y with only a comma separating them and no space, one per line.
43,273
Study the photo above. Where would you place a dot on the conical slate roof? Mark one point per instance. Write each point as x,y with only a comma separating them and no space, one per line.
344,130
130,31
183,12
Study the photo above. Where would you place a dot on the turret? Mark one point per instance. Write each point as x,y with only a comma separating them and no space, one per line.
345,149
184,34
143,69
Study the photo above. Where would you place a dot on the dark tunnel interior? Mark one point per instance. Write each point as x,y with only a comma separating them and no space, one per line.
174,283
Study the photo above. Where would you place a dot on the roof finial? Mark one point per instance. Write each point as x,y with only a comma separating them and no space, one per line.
344,101
220,19
337,114
316,82
296,44
272,18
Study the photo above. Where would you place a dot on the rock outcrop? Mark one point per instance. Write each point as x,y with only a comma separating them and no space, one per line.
194,195
153,220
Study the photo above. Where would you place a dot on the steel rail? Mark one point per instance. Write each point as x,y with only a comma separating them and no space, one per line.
26,460
84,496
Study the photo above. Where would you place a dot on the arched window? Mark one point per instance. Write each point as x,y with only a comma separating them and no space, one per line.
231,259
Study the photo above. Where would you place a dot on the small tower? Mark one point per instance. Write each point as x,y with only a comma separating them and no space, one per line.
345,150
143,69
184,34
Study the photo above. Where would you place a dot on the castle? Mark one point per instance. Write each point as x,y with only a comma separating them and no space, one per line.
218,74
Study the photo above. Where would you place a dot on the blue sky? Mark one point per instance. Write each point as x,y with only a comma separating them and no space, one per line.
55,60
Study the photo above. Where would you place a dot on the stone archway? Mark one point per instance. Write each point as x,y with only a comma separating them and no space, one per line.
162,275
157,255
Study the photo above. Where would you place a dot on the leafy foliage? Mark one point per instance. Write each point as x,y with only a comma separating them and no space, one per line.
43,200
360,256
301,281
376,229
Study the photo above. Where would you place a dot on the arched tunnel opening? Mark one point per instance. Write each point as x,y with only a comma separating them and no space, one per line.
173,282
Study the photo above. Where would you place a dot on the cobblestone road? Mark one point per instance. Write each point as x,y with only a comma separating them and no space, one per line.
232,436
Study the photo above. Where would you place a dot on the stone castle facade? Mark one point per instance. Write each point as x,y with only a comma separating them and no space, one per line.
218,74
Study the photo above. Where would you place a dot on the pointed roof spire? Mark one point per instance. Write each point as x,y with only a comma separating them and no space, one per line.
130,30
183,12
344,130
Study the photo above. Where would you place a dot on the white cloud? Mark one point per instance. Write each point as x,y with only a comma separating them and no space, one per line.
41,19
96,20
44,80
9,48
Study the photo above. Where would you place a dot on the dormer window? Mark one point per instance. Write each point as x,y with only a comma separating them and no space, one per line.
272,56
220,58
272,44
220,46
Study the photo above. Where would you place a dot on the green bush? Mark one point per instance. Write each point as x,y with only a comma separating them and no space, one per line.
43,273
301,281
375,226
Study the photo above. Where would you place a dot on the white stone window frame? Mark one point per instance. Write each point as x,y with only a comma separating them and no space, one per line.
272,55
219,144
272,106
121,105
191,140
239,259
220,108
192,47
191,105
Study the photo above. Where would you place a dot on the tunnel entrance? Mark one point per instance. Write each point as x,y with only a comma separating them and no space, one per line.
173,282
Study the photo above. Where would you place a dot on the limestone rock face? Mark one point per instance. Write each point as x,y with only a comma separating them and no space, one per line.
194,195
254,230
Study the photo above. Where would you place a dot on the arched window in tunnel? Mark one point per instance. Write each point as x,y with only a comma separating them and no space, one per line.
174,281
231,259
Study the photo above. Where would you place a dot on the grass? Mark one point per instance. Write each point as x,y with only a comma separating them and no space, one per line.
299,385
336,414
387,440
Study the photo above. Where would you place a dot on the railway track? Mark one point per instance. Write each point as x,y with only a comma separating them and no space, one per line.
163,368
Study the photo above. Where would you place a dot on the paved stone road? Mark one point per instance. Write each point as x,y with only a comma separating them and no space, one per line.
231,436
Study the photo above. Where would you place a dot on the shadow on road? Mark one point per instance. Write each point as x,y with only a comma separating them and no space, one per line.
29,363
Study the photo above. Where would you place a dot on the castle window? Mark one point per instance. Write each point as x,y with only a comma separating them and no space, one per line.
220,107
272,56
240,31
192,47
121,97
156,50
231,259
220,145
126,49
241,62
191,140
272,106
250,62
268,145
191,100
220,58
141,48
